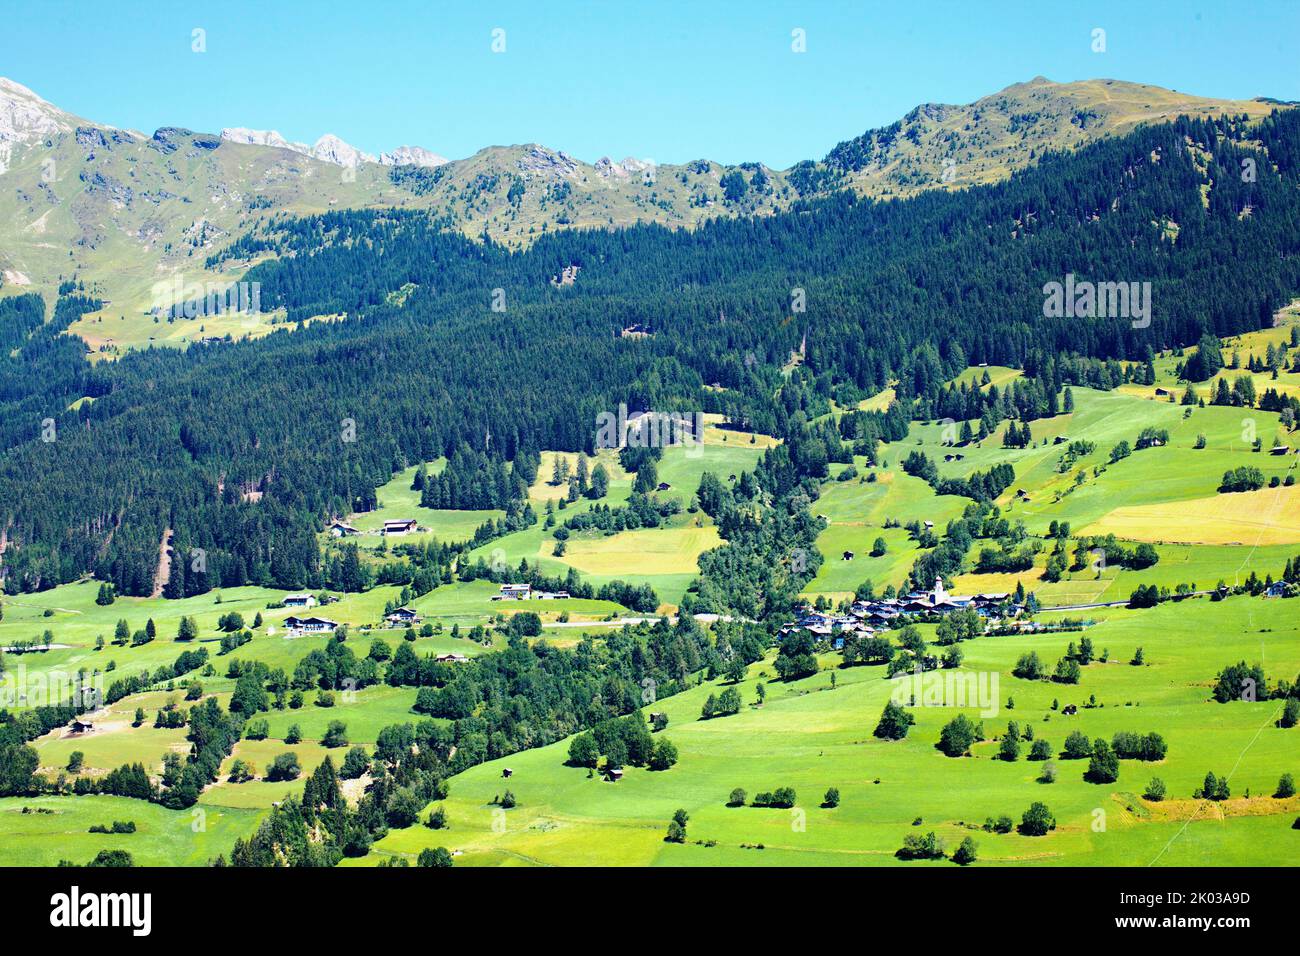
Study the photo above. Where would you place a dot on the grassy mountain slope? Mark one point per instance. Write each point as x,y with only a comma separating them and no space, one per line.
938,145
126,212
811,735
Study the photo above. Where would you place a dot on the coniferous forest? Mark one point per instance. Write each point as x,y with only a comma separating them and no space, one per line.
485,357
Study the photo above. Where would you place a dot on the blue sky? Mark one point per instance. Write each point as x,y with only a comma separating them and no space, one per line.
666,81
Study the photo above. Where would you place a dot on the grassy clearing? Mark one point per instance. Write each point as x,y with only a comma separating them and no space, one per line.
667,564
1202,565
657,551
1267,516
398,500
1176,472
162,838
999,375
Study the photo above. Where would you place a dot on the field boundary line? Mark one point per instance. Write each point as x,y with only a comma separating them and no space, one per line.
1188,822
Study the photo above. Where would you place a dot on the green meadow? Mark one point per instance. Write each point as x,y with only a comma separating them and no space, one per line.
810,735
1166,495
162,838
397,500
664,558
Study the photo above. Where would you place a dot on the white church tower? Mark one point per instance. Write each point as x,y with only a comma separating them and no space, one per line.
938,595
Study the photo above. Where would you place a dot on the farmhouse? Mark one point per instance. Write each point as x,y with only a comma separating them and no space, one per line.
341,529
452,659
399,526
525,592
875,615
299,600
402,617
826,627
80,727
1279,449
310,625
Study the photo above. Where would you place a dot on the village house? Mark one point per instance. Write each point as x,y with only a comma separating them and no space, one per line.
876,613
514,592
402,617
525,592
399,526
452,659
299,600
310,625
827,627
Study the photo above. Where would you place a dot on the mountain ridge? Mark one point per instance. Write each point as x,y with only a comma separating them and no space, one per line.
128,213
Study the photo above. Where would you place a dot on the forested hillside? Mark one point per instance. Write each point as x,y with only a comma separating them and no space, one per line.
451,342
131,212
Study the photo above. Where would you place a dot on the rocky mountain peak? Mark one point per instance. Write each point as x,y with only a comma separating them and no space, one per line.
330,149
25,117
262,137
412,156
540,159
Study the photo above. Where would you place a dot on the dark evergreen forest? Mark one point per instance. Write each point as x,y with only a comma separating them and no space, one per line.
485,356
